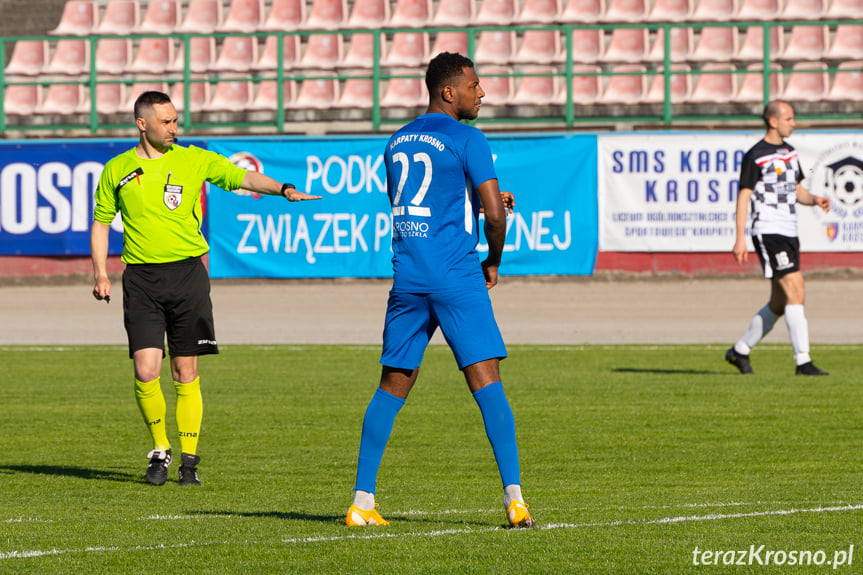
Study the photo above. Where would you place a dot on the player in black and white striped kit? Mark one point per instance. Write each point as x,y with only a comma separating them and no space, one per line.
770,180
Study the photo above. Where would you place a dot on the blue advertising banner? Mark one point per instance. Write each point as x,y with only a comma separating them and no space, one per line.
347,234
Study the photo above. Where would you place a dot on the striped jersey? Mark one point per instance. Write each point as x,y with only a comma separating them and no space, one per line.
772,173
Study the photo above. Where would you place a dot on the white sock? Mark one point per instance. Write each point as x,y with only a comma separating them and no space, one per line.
761,324
798,329
511,493
364,500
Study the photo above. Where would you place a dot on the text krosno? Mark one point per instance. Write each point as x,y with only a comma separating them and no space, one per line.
760,555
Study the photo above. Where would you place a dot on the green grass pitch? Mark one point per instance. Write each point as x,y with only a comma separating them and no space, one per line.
632,457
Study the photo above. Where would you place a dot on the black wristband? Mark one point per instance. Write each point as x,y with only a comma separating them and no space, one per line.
285,186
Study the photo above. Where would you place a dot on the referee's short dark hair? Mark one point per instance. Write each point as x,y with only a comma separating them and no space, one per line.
148,100
444,68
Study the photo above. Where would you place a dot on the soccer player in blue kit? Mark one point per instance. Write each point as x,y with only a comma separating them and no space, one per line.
440,174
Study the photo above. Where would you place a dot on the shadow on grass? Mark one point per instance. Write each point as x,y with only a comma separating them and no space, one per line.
69,471
328,519
671,371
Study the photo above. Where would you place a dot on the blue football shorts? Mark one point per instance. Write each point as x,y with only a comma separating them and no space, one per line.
465,318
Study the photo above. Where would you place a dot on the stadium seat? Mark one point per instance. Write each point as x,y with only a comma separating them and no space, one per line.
538,90
715,83
847,83
153,56
285,16
758,10
847,42
681,45
494,47
21,100
495,13
356,93
202,55
627,45
237,54
120,17
360,51
454,13
806,43
138,88
78,18
161,16
497,83
681,85
626,11
539,12
407,50
411,14
714,10
202,17
752,46
70,57
804,9
243,16
28,58
582,12
326,15
715,44
321,52
369,14
587,46
62,99
405,92
316,93
110,99
807,82
267,95
199,95
627,85
450,42
670,11
586,86
269,55
230,95
845,9
752,84
538,47
113,55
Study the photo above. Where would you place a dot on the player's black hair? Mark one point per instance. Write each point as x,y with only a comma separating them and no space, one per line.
444,68
148,100
771,110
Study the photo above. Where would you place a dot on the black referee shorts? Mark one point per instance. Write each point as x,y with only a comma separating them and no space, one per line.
779,255
172,298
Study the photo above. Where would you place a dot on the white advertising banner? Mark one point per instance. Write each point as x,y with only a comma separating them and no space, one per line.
678,192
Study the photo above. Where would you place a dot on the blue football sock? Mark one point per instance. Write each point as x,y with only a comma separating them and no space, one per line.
377,426
500,429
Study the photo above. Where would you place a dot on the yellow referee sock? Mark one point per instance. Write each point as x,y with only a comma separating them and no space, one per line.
151,402
190,410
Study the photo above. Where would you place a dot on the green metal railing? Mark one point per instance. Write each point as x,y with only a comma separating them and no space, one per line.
569,115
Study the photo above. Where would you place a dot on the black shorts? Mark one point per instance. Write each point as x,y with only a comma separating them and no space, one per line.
172,298
779,255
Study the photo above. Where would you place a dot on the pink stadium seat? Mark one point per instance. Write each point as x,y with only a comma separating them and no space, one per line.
752,46
847,42
538,47
588,46
670,11
22,100
161,16
360,51
237,54
539,12
806,43
269,57
496,13
202,55
326,15
230,95
627,86
110,98
120,17
316,93
752,84
70,57
62,99
681,45
113,55
243,16
626,11
405,92
267,96
714,10
715,45
681,85
138,88
454,13
498,84
586,86
627,45
78,19
285,16
322,52
582,12
411,14
153,56
847,83
202,16
199,95
449,42
407,50
538,90
494,47
716,84
758,10
807,82
356,93
28,58
369,14
845,9
804,9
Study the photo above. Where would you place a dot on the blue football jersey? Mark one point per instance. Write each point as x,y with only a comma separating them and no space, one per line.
434,165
